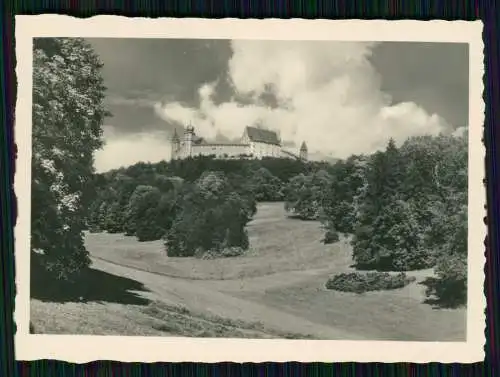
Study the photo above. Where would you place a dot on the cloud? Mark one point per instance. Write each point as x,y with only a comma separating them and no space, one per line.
327,93
461,131
137,102
124,151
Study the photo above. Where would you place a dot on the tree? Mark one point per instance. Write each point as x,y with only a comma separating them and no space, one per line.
448,232
411,210
97,214
265,186
210,217
394,241
188,228
141,215
113,218
385,232
304,194
68,112
339,202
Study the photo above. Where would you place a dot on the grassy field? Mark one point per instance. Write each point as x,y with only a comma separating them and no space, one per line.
276,290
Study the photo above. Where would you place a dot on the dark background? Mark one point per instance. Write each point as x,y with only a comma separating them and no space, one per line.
422,10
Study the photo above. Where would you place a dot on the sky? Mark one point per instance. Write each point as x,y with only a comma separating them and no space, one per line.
341,98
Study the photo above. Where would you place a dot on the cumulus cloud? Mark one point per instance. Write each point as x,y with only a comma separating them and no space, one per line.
461,131
327,94
139,102
124,151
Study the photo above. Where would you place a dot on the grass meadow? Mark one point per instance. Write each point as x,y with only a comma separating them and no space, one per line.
276,290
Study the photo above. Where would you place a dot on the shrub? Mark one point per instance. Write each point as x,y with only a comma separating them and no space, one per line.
93,228
222,253
331,235
364,282
450,287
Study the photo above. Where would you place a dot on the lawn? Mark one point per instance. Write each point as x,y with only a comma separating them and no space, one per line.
276,290
277,244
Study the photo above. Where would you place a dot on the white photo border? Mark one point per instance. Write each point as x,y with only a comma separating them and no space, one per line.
81,349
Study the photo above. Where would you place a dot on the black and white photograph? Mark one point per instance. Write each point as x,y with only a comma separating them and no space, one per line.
267,192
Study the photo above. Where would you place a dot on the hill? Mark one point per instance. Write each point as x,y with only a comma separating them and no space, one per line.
277,290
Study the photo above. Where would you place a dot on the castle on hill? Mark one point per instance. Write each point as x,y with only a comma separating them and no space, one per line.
255,143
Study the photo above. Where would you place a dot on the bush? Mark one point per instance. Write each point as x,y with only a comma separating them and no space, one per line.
331,235
92,228
364,282
450,287
222,253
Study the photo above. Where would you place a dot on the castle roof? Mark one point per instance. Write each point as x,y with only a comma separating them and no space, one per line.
198,140
303,147
260,135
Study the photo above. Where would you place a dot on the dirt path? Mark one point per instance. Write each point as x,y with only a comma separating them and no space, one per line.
198,296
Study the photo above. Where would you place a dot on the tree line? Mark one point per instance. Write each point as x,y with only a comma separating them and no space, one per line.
196,204
403,208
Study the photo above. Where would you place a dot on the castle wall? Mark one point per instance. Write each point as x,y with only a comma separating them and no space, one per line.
260,150
187,148
220,150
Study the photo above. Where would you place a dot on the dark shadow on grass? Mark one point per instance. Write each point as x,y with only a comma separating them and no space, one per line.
372,267
300,218
384,266
92,286
443,296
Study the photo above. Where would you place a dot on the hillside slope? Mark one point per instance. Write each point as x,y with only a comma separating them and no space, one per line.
277,290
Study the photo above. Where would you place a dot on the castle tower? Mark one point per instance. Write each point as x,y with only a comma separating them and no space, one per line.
303,151
175,145
188,141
